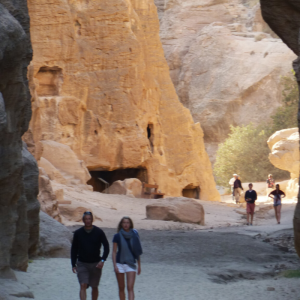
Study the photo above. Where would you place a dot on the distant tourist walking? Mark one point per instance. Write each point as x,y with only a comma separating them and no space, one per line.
85,255
270,184
277,195
127,250
237,188
250,197
231,182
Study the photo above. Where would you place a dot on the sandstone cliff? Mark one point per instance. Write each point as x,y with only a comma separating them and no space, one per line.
224,62
19,208
284,19
284,146
101,85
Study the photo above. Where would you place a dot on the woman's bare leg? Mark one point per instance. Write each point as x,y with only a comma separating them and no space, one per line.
121,284
130,284
278,213
275,208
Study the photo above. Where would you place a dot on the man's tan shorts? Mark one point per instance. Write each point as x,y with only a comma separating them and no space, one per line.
88,273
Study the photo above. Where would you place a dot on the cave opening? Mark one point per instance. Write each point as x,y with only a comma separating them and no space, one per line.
50,80
191,192
150,136
111,176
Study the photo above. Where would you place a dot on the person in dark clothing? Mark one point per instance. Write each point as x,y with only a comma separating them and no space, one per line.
237,188
85,255
277,195
250,197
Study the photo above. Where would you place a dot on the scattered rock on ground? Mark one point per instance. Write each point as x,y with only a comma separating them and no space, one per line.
177,209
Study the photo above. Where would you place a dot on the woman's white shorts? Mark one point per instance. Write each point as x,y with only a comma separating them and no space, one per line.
123,268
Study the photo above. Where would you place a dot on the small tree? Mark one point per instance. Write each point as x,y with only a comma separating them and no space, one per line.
245,152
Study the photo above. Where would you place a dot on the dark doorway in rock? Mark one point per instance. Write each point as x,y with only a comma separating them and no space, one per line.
50,80
111,176
191,192
150,136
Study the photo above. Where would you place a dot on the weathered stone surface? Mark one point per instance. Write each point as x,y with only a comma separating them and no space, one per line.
55,238
47,197
284,18
101,85
130,187
61,163
223,62
284,146
18,234
177,209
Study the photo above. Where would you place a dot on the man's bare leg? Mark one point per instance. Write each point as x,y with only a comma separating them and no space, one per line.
278,213
95,293
252,218
82,294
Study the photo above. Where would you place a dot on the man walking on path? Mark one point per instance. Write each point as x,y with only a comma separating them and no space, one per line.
237,187
250,197
231,182
85,255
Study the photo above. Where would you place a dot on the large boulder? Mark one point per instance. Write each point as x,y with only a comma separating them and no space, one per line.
18,171
284,146
55,238
284,19
177,209
130,187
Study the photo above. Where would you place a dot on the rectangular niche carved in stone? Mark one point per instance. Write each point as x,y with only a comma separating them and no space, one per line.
50,80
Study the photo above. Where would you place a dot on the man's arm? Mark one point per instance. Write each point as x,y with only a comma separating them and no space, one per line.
105,244
255,196
74,250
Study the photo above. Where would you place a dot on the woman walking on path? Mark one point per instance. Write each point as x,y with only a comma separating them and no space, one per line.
127,250
277,195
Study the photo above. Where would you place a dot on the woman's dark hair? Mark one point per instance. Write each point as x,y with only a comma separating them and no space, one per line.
277,185
120,223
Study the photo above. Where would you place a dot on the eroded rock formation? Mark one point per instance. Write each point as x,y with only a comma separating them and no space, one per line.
284,19
224,62
18,172
284,146
101,85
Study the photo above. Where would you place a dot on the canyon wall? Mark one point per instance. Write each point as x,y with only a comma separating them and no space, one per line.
100,84
284,19
19,208
224,61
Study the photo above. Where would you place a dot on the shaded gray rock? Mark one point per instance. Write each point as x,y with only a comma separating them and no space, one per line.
17,199
55,238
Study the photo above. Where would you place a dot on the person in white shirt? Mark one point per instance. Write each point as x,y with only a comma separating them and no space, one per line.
231,182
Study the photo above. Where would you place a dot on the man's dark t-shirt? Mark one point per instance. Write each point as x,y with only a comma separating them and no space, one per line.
86,246
251,195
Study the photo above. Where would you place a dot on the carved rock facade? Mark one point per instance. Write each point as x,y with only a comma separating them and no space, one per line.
101,86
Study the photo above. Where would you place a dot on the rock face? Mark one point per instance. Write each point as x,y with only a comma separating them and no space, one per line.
284,146
101,85
224,61
284,18
18,172
177,209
